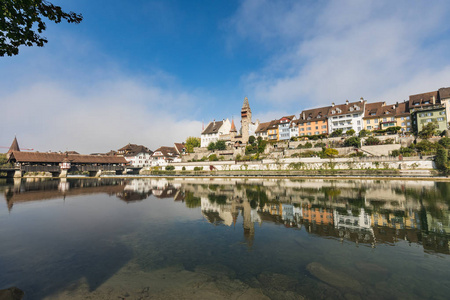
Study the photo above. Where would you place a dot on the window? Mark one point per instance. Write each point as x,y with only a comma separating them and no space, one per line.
429,120
308,128
348,116
403,118
309,133
442,112
324,126
369,127
376,121
317,127
429,114
355,115
309,123
317,132
440,119
368,122
407,118
403,123
358,122
317,122
324,131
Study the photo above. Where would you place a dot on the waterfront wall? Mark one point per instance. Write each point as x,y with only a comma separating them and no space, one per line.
313,163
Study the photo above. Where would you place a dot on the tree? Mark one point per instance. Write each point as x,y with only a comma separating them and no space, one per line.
212,146
336,133
350,132
20,20
220,145
251,139
261,145
428,130
441,159
352,142
445,142
364,133
191,143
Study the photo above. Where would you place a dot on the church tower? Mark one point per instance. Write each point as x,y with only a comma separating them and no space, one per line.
246,119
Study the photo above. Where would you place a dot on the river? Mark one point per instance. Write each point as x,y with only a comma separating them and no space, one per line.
225,238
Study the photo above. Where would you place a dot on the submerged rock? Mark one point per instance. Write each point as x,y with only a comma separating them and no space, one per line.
12,293
333,277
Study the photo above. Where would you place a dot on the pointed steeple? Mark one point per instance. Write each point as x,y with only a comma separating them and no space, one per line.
245,105
233,127
14,146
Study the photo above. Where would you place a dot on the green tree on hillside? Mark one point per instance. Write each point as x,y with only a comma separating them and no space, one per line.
428,130
22,22
191,143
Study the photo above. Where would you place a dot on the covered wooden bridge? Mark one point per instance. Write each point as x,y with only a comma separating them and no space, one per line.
59,164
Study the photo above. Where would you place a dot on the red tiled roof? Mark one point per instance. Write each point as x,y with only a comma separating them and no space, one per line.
38,157
314,114
424,99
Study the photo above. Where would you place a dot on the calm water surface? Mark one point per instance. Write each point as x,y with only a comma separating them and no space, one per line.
225,239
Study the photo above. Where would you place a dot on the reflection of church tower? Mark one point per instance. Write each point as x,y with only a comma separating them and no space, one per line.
246,119
249,227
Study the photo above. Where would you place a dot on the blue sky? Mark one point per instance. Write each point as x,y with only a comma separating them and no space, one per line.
150,72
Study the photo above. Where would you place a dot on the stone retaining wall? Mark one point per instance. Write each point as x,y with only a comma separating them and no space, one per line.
313,163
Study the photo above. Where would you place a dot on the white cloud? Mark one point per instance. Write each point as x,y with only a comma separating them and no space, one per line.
380,50
51,116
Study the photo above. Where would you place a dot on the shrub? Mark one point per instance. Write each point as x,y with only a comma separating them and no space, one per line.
170,168
388,141
213,157
352,142
220,145
372,141
212,146
336,133
330,152
364,133
308,145
183,168
320,145
350,132
445,142
198,168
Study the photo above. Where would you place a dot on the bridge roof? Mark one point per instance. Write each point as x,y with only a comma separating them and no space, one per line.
38,157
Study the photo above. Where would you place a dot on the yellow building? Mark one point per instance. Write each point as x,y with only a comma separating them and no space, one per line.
272,131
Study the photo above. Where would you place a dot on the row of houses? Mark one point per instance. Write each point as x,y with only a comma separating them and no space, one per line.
140,156
410,115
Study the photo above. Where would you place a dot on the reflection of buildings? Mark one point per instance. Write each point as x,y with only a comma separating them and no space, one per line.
364,212
228,212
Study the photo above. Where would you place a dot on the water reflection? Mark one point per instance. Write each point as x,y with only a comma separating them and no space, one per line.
364,212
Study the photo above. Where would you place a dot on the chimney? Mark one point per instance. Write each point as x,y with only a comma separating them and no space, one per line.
433,100
303,115
346,102
361,99
332,104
